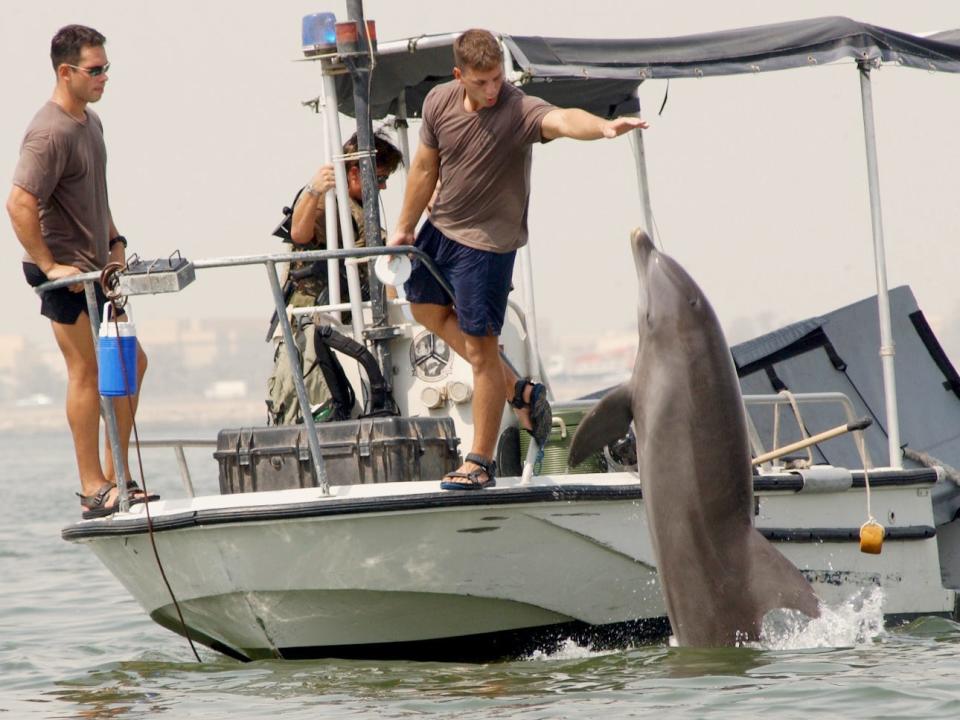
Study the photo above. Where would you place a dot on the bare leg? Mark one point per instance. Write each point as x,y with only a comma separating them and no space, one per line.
122,409
493,379
83,400
442,320
483,354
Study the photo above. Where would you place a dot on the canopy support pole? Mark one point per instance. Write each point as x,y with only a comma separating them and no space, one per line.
643,185
360,65
330,213
343,202
887,349
529,309
403,137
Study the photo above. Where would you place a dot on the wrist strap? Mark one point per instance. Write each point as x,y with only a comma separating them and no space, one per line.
118,239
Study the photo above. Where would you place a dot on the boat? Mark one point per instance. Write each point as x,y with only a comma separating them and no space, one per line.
335,540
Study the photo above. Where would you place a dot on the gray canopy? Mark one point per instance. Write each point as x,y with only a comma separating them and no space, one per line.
602,75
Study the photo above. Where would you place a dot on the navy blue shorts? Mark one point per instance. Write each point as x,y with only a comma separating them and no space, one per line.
480,281
61,305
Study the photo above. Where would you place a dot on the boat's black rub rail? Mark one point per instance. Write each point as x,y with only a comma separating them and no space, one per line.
427,501
813,535
354,506
878,479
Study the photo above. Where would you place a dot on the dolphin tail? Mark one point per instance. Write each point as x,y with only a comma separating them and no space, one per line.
776,581
608,421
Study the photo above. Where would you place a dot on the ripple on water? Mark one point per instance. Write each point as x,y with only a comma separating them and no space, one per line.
74,644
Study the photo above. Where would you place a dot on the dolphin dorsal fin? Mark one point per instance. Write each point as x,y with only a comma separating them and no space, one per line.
608,421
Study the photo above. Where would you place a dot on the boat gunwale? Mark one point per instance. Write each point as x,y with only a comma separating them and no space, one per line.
434,500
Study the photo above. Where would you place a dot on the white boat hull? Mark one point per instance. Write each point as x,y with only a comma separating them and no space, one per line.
401,570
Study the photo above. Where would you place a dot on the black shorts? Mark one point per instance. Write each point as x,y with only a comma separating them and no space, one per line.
480,280
61,305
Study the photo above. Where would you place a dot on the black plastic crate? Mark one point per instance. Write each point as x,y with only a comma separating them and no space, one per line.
368,450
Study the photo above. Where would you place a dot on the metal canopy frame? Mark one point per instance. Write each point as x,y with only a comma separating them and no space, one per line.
600,75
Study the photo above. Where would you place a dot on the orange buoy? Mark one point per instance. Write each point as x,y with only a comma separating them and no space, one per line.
871,537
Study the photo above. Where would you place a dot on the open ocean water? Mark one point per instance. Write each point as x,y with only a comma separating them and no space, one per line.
74,645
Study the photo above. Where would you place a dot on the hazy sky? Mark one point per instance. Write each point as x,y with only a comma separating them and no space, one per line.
758,182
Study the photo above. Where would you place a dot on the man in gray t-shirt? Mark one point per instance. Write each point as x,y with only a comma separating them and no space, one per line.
476,140
60,213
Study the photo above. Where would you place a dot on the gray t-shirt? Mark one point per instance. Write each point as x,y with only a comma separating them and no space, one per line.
63,163
484,165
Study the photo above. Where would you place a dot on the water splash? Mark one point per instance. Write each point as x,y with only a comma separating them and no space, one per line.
569,650
857,621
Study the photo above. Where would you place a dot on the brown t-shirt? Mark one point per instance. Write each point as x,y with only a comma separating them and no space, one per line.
484,164
63,163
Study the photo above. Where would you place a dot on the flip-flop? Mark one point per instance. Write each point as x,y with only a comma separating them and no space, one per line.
485,466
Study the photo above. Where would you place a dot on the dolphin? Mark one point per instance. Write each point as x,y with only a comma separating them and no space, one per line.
719,576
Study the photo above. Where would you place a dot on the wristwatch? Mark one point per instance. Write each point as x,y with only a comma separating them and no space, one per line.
118,239
310,190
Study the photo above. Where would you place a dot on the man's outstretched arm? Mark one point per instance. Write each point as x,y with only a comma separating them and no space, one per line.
581,125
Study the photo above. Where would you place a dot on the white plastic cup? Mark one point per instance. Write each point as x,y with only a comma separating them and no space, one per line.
395,270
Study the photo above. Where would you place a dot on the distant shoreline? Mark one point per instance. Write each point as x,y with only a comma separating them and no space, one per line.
191,414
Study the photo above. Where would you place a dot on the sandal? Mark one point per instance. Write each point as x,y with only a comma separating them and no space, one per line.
133,488
471,480
95,504
541,415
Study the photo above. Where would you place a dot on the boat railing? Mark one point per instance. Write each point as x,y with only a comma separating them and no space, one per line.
178,445
159,282
795,400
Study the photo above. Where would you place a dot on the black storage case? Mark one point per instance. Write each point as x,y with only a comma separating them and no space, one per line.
367,450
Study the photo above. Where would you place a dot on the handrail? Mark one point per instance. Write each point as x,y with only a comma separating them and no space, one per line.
269,261
238,260
178,445
801,398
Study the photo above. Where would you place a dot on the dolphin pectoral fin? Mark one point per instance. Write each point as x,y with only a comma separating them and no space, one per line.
609,420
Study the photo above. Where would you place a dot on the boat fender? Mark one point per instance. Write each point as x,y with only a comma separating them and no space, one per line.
871,537
825,479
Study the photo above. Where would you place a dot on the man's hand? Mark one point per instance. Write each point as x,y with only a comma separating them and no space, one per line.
324,179
619,126
401,237
58,272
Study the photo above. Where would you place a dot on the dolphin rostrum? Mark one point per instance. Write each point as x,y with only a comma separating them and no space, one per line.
718,574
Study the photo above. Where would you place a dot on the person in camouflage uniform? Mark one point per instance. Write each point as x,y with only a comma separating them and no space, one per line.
308,226
308,232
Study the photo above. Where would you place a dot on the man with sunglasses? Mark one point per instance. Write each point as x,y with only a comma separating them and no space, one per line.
61,215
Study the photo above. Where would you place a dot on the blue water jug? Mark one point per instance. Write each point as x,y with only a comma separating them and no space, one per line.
117,358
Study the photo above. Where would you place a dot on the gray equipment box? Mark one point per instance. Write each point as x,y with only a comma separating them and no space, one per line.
367,450
149,277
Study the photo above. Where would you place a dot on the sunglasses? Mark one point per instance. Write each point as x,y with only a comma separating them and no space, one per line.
91,71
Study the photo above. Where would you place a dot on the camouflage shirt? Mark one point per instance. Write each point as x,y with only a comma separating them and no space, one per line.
308,289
